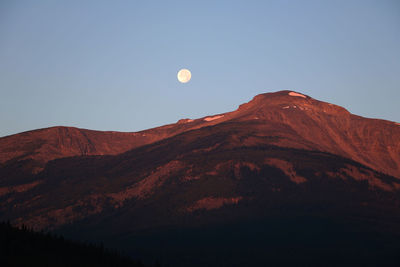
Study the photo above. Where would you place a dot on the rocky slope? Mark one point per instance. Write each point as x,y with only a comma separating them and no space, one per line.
282,155
302,122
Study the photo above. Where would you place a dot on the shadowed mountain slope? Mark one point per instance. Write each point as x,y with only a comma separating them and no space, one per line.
23,247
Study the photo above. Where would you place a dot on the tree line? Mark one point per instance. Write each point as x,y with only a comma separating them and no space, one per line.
22,246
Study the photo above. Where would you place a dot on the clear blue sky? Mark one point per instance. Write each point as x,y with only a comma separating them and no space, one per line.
112,65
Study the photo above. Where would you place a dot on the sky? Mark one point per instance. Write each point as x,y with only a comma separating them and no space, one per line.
112,65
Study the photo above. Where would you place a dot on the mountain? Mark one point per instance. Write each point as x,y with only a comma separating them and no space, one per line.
310,124
284,172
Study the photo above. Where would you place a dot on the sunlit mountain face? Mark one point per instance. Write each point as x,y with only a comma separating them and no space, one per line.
284,179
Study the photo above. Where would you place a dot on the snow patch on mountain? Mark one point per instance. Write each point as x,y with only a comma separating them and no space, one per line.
297,94
184,121
213,118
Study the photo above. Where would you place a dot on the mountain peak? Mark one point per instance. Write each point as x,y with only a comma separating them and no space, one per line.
288,99
300,120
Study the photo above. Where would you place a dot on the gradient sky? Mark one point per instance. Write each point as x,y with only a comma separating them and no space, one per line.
112,65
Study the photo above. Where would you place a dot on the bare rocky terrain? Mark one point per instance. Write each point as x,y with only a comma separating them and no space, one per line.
284,174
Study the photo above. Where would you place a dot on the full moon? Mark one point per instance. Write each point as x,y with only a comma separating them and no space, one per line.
184,75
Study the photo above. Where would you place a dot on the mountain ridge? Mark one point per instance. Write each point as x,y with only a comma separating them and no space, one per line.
278,157
332,126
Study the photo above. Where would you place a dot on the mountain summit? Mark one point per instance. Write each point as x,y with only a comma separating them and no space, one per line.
283,158
305,122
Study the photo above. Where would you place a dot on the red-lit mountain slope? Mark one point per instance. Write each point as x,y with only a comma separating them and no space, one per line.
280,157
303,122
300,121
